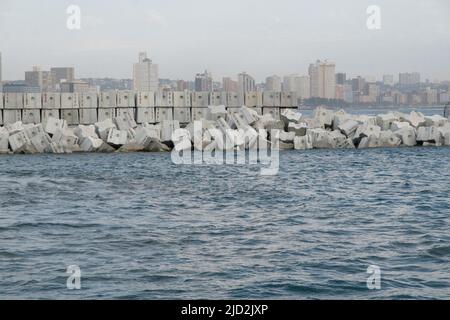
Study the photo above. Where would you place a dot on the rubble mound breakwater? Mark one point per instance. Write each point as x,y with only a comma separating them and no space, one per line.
233,129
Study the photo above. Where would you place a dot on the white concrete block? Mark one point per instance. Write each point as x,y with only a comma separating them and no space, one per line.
268,99
408,136
216,112
217,98
31,116
82,132
53,124
183,115
104,113
348,127
199,113
340,117
145,135
145,115
103,128
274,112
145,99
117,137
289,99
88,100
299,129
65,139
320,139
42,143
235,100
367,130
71,116
107,100
385,121
4,140
181,140
303,142
249,115
182,99
289,116
69,100
251,99
167,128
162,114
18,140
13,100
429,134
11,116
435,121
287,136
324,116
388,139
126,99
415,119
91,144
120,112
125,121
397,125
49,113
164,99
200,99
14,127
32,101
51,100
88,116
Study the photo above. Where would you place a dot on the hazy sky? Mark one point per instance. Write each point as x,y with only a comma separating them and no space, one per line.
226,37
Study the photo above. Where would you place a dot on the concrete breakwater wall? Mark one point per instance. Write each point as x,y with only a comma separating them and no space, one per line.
144,107
222,129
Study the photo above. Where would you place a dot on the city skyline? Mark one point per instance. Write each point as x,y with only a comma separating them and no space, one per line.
287,36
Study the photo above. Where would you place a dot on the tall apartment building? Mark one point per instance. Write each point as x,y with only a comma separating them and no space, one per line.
388,79
299,84
60,74
409,79
246,83
323,79
273,83
341,78
39,78
204,82
145,74
229,85
76,86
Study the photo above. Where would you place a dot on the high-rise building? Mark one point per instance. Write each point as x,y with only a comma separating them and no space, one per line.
246,83
388,79
229,85
39,78
341,78
297,83
323,79
409,79
60,74
204,82
358,84
76,86
145,74
273,83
